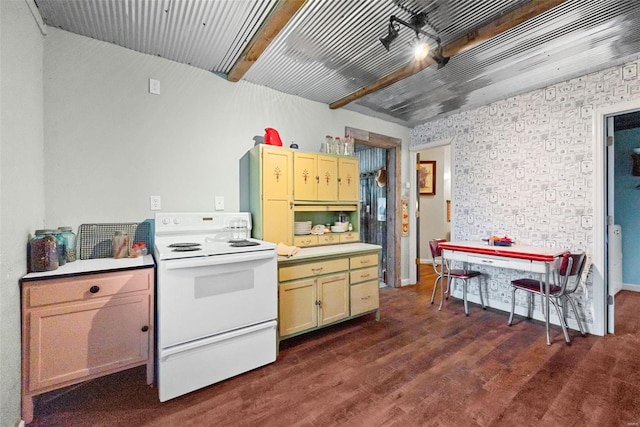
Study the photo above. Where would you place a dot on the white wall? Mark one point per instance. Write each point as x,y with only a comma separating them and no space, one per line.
109,144
433,209
21,181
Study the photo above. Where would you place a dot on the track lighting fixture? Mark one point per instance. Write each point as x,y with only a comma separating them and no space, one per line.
390,37
421,47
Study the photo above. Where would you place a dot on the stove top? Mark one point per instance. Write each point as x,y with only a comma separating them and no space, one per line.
188,235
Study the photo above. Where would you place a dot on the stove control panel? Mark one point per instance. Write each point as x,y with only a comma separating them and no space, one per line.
197,221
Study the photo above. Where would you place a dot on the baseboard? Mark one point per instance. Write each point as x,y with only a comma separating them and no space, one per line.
630,287
522,312
406,282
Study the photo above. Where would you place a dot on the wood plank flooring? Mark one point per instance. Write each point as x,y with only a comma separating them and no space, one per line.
415,367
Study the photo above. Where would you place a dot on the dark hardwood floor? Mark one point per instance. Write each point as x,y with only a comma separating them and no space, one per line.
415,367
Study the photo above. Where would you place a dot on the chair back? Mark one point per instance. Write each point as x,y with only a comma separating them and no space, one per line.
570,271
434,246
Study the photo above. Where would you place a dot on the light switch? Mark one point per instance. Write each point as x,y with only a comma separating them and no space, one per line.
219,202
154,86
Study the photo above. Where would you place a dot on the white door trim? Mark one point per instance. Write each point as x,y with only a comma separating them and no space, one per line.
600,291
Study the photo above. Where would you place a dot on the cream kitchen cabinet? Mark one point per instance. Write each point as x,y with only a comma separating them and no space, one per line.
279,186
319,177
312,295
363,278
315,177
84,326
348,179
320,287
267,192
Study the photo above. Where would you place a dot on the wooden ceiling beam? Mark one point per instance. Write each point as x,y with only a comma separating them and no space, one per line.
282,12
505,22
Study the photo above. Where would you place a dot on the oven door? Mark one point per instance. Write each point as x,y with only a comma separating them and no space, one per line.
203,296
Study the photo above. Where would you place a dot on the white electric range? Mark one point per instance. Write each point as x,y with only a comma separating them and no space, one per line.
216,300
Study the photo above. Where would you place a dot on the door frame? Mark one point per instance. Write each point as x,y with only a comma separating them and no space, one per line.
394,205
601,322
414,203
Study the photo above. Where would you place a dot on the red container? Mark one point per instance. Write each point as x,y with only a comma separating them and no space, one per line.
272,137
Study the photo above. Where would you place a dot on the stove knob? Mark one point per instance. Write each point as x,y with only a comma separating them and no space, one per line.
166,221
177,221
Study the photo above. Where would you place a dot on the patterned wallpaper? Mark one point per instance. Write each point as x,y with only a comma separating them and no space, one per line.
523,168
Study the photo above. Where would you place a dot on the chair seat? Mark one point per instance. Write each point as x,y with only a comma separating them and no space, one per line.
463,274
533,285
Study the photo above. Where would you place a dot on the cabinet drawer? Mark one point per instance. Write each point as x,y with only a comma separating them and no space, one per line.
79,288
308,240
350,236
364,297
328,239
312,269
363,274
364,261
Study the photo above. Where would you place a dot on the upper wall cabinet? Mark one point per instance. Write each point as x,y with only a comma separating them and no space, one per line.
279,185
318,177
348,179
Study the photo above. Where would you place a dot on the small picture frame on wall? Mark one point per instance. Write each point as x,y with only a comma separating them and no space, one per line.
427,178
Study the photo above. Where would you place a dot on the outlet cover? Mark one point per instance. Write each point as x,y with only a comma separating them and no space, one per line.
155,203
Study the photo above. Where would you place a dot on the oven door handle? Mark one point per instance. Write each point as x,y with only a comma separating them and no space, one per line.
194,345
219,259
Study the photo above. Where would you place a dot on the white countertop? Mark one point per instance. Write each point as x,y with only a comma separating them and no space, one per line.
84,266
328,250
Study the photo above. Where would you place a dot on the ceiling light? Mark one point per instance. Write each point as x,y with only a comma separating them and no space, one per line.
421,47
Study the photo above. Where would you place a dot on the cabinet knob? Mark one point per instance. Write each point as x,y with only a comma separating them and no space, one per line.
145,328
94,289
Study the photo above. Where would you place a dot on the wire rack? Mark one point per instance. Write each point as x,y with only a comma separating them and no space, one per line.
94,240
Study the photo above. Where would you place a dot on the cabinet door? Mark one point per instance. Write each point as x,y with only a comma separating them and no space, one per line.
277,216
328,182
334,298
348,179
277,220
276,173
305,176
79,340
297,306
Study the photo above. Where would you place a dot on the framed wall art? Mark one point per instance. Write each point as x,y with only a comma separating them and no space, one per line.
427,178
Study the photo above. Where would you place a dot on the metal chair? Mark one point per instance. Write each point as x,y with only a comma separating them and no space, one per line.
438,265
564,279
451,274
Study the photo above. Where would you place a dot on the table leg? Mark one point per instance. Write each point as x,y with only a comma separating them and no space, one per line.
546,303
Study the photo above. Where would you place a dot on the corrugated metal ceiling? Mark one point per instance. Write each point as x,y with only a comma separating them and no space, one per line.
330,49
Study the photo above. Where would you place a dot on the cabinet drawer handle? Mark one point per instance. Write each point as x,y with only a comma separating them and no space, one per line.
94,289
145,328
364,276
366,298
365,261
317,270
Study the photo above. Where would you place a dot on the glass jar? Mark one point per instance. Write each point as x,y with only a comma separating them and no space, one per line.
120,244
348,146
43,251
70,242
62,246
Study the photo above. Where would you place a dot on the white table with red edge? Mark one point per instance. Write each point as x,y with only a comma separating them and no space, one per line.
533,259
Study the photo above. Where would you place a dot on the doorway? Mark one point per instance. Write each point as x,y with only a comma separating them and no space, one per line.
606,166
393,213
623,176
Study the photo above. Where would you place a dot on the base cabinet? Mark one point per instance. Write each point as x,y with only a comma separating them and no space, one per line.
325,290
84,327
